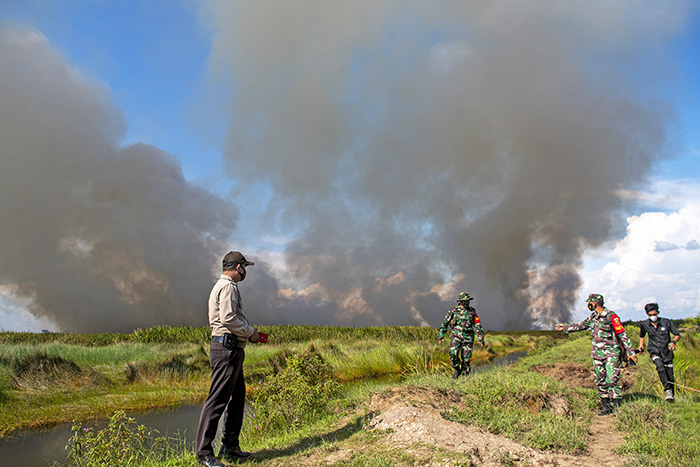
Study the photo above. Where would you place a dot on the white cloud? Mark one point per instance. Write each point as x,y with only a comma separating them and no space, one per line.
658,260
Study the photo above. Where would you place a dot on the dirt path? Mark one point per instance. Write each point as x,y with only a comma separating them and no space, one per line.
605,438
411,426
413,419
410,421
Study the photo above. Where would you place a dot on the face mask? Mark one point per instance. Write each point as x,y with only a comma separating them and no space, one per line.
653,318
241,272
591,306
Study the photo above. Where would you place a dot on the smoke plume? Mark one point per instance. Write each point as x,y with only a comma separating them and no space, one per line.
95,236
401,151
418,149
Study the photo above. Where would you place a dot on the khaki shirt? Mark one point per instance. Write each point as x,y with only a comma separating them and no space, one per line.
226,313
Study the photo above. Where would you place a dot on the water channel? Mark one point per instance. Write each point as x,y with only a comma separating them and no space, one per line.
40,448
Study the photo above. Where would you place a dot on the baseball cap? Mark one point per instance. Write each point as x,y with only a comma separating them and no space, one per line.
235,257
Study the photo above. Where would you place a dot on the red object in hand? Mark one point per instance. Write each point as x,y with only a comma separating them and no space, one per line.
263,337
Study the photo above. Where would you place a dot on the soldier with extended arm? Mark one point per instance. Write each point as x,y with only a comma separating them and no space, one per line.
608,334
463,320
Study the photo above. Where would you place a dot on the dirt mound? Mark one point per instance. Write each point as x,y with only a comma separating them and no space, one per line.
415,396
410,425
568,373
411,417
581,375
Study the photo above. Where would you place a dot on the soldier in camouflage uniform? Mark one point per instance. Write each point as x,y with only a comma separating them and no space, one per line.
608,338
463,320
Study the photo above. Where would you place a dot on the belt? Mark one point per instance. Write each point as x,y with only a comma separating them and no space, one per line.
239,344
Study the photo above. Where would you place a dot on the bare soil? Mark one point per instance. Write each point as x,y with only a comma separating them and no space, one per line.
407,421
411,415
581,375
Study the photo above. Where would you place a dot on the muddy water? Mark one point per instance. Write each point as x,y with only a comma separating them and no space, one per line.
39,449
481,365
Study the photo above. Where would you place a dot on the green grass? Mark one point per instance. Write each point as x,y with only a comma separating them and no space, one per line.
660,434
575,349
165,366
512,401
524,406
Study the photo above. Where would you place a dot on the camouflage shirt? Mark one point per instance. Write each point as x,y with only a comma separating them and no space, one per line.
607,333
463,322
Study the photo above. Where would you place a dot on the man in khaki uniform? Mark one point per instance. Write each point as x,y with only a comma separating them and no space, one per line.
230,333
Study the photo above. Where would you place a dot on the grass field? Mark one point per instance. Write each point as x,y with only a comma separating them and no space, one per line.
51,378
311,386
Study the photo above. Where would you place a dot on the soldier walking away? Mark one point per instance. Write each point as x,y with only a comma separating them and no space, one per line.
230,332
463,320
661,346
608,337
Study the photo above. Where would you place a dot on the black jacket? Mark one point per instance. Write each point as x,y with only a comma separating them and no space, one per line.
659,335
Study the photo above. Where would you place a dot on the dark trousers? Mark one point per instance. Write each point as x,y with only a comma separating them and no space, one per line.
664,367
226,396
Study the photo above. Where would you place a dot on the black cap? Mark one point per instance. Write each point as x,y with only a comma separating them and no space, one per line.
235,257
651,307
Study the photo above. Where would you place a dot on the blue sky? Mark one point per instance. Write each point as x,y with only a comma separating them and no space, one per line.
161,62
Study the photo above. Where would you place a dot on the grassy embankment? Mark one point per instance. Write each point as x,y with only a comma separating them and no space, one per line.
320,418
52,378
656,433
516,402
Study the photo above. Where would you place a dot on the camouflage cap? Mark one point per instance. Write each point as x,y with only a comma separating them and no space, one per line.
464,296
595,297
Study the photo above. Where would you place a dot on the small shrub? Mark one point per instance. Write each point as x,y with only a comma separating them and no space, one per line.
301,393
123,443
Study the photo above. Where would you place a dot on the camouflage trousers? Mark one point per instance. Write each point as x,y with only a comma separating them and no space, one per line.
607,378
461,352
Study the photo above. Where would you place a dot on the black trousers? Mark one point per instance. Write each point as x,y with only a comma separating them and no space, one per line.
226,397
664,367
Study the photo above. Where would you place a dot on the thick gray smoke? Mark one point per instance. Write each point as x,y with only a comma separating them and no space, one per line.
418,149
97,237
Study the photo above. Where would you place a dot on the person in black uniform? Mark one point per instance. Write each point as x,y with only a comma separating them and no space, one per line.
660,346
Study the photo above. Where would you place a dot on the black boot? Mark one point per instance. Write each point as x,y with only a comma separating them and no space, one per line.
466,368
616,404
456,373
605,406
233,454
